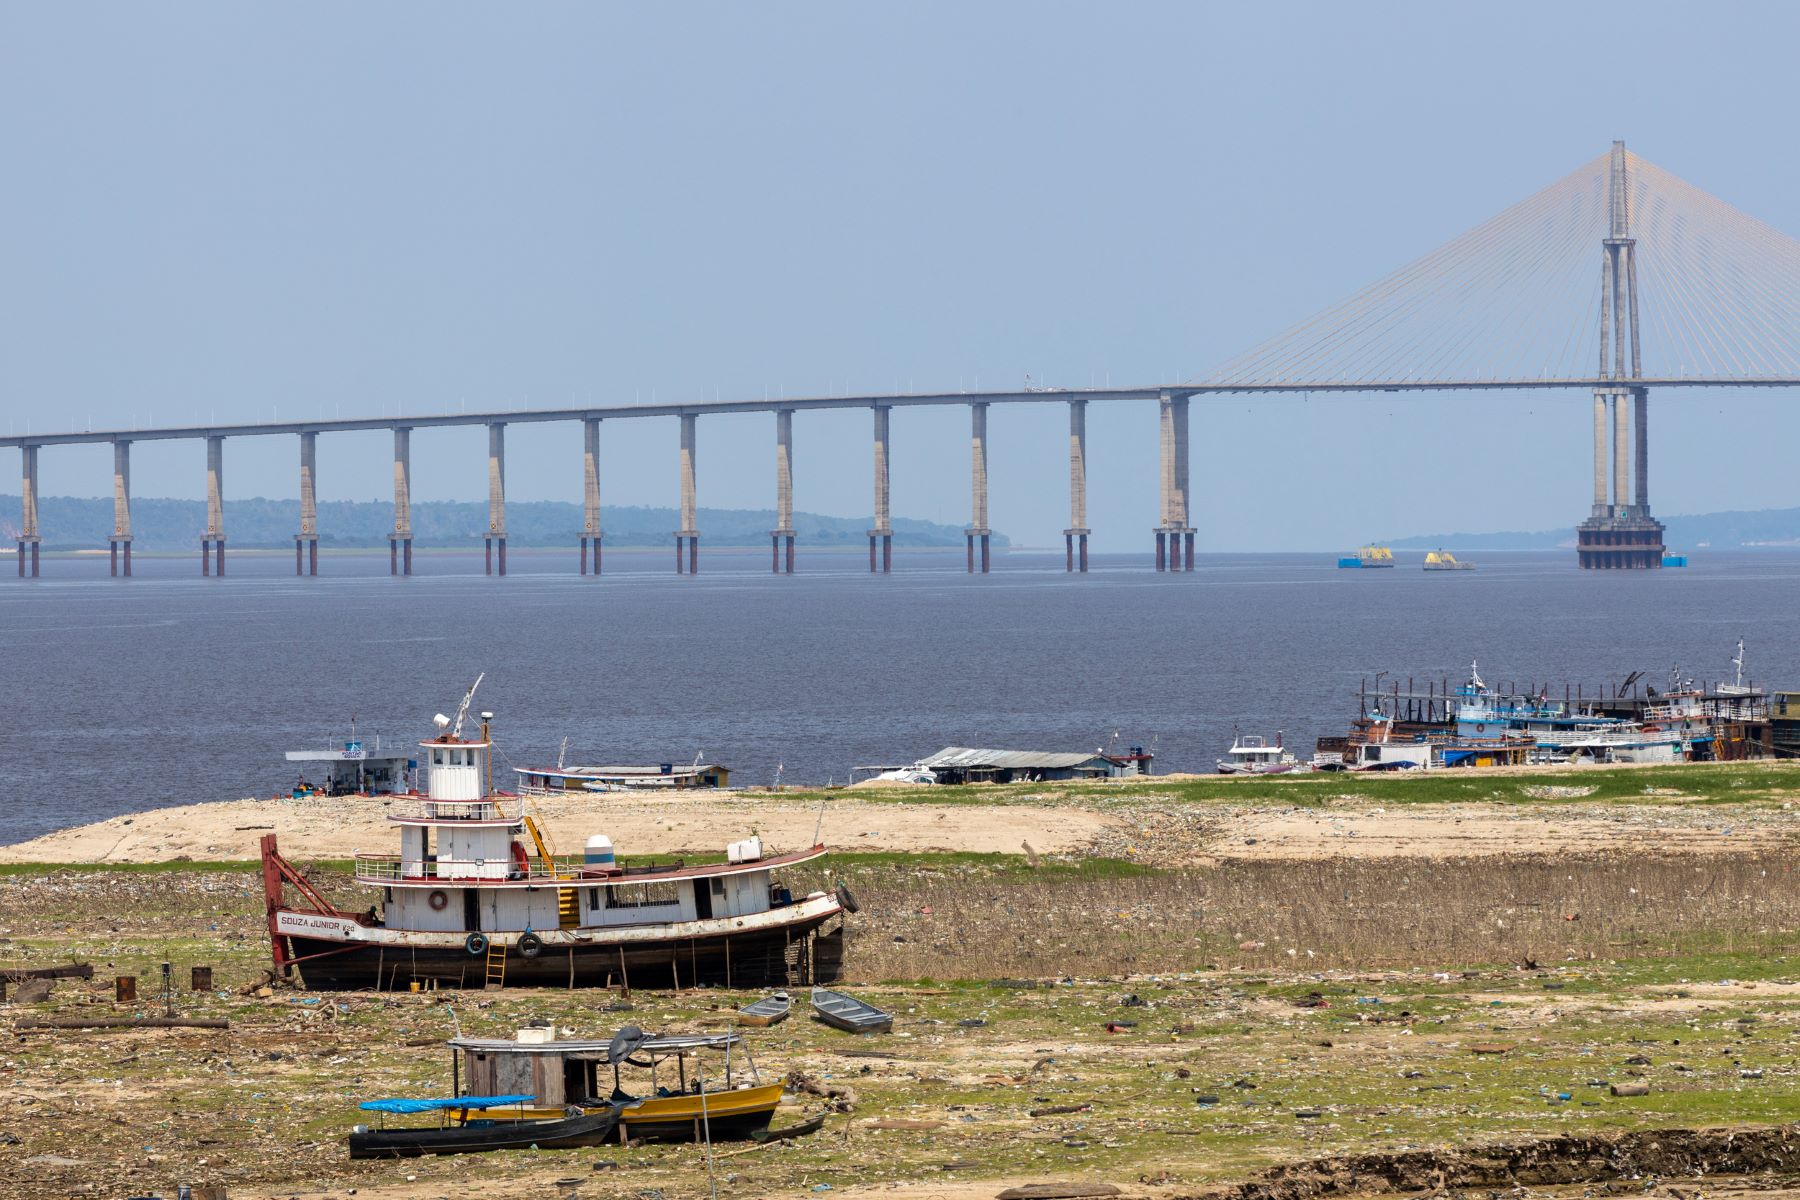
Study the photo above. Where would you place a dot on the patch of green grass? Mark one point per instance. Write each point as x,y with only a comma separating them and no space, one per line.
1677,784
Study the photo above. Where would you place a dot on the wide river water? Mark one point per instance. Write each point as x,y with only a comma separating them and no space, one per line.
121,695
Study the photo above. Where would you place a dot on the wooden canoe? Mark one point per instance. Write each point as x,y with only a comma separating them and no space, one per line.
770,1010
845,1012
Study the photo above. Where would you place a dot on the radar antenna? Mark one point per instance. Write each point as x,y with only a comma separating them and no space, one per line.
462,710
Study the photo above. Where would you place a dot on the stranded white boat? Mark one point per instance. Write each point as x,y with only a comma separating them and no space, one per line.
1251,754
475,897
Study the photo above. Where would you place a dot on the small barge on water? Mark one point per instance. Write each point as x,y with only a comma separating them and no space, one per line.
475,897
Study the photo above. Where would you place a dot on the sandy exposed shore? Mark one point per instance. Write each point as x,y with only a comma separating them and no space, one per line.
1148,828
337,828
1474,830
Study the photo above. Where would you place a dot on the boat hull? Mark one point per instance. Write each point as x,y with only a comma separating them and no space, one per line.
589,1129
850,1014
735,1114
751,958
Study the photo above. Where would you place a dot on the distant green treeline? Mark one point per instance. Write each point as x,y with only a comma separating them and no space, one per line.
68,522
1719,530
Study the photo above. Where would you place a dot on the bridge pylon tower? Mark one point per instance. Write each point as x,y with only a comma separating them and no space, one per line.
1620,534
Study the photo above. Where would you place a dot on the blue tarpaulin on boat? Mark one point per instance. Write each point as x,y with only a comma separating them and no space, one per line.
423,1106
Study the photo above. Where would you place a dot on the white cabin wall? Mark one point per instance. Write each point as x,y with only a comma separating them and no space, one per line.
489,845
747,893
413,842
522,908
652,914
411,909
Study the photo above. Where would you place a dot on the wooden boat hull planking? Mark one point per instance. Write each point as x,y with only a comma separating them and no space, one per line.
588,1129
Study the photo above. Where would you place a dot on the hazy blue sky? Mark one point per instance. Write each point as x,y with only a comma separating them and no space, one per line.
241,211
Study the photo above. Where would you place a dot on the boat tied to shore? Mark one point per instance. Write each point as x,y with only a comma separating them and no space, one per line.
1252,754
475,897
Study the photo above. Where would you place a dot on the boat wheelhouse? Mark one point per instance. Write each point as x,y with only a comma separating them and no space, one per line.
475,896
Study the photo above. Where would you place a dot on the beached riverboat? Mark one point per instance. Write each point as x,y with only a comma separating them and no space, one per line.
475,897
1253,754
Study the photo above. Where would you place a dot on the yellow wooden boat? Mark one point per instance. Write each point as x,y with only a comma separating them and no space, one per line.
735,1104
730,1114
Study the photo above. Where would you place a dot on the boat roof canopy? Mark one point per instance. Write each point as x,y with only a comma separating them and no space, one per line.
457,1102
674,1043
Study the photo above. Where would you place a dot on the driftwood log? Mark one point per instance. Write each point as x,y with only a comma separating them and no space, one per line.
66,971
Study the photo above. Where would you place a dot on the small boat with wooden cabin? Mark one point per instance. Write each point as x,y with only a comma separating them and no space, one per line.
770,1010
475,897
679,1100
502,1124
846,1012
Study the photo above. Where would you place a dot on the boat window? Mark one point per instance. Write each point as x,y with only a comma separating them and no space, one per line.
593,895
718,885
642,895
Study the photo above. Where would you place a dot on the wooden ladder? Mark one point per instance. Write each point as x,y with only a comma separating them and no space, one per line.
496,965
790,957
568,911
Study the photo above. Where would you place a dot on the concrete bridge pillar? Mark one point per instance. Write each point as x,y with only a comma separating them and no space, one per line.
119,549
978,531
1075,537
688,537
881,537
28,512
496,534
782,536
1174,536
306,542
590,491
1600,507
1640,398
1621,453
214,538
400,544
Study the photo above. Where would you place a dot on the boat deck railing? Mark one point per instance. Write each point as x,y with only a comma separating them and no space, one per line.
393,868
423,808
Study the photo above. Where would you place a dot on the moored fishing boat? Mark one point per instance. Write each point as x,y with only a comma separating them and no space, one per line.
475,897
1252,754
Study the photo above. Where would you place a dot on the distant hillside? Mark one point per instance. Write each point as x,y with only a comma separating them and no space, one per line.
71,522
1721,530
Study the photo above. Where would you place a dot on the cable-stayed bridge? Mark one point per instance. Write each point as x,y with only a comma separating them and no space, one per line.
1689,292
